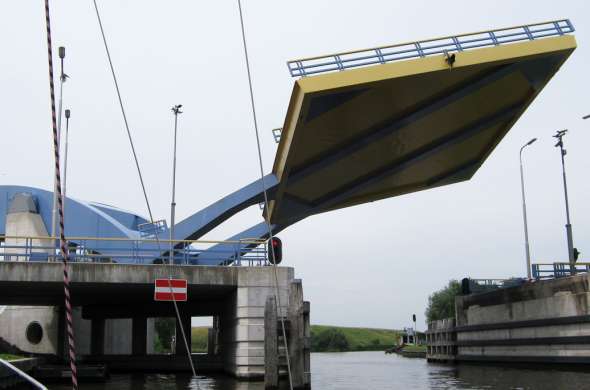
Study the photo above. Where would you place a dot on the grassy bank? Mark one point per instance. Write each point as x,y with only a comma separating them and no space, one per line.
199,339
9,357
327,339
340,339
414,348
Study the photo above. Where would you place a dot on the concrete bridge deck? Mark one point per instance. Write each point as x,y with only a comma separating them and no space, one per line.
32,283
104,294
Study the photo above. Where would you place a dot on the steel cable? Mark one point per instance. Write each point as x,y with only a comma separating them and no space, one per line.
266,215
121,105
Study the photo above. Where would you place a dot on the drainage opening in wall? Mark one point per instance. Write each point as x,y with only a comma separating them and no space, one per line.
34,332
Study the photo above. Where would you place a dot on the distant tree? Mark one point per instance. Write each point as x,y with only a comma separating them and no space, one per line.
165,328
441,304
329,340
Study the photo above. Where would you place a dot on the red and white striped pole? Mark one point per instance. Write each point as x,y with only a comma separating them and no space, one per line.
62,239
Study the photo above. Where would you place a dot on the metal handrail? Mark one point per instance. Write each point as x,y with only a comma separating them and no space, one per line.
383,54
558,269
80,238
23,375
129,250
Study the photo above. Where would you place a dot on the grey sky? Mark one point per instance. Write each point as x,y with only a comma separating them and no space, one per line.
371,265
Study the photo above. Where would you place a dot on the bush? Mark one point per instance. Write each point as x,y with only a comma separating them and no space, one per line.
165,329
329,340
441,304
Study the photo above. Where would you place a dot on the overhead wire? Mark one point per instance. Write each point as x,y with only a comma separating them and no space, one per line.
147,202
264,190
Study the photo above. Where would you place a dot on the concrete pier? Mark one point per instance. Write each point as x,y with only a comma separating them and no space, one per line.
441,341
121,296
544,321
271,348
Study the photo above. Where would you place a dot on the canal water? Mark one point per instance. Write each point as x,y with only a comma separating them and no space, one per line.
370,371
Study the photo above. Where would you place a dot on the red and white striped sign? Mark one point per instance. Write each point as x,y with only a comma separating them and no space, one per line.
170,290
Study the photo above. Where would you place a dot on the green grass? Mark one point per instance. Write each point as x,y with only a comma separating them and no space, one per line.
359,339
414,348
9,357
362,339
199,339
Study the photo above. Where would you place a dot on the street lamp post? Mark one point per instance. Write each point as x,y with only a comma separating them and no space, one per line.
176,111
415,330
568,227
526,230
62,79
66,158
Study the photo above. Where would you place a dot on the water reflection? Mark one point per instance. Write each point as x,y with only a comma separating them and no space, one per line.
367,371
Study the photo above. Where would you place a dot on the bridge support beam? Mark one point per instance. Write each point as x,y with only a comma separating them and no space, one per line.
298,339
185,320
139,336
271,349
97,336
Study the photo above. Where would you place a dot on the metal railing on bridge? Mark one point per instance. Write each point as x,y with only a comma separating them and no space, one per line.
457,43
244,252
558,270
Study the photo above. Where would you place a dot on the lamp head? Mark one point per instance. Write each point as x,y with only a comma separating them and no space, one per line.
531,141
62,52
560,133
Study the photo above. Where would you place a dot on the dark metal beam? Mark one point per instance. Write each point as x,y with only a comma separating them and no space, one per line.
362,142
429,150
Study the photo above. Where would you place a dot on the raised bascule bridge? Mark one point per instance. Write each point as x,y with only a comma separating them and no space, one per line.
360,126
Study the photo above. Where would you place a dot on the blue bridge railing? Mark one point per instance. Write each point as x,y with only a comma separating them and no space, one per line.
245,252
558,270
384,54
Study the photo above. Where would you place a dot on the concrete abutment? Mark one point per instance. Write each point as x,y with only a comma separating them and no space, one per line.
115,310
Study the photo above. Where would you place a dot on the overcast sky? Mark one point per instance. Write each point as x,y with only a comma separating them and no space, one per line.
370,265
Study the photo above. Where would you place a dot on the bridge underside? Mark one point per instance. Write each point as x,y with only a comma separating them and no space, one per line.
114,303
370,133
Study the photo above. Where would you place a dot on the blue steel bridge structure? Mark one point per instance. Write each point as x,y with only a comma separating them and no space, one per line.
360,126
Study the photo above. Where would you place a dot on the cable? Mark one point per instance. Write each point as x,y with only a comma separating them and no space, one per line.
147,202
266,216
62,238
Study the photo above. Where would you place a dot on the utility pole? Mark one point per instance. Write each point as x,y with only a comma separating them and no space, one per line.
415,330
66,158
62,79
568,227
176,111
526,230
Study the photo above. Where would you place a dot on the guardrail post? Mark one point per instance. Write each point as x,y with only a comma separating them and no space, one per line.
380,55
419,49
271,348
528,32
457,44
558,28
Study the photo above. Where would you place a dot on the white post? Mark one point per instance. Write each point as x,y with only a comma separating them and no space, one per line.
176,111
65,175
62,79
526,230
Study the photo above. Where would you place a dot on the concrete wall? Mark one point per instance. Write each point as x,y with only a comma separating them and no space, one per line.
117,292
15,319
241,335
24,224
543,321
